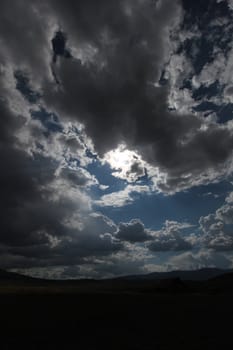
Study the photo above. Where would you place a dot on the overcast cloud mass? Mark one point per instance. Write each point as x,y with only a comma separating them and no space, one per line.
111,111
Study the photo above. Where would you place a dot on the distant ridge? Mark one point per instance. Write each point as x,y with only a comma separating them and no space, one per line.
192,275
13,276
223,282
189,275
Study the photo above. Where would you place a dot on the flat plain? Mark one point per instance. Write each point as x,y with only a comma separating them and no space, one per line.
116,314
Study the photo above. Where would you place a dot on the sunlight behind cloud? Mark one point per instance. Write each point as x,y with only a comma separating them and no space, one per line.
128,164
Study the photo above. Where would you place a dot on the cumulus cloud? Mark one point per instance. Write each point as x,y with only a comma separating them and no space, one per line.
217,228
169,238
202,259
134,231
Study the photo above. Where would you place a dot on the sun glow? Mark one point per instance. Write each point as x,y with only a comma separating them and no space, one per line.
128,165
121,158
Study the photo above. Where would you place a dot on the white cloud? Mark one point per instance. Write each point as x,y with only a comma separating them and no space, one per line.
170,238
123,197
201,259
178,70
218,228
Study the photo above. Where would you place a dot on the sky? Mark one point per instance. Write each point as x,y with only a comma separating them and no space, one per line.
116,136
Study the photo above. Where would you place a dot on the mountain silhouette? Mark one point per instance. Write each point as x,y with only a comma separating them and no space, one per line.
192,275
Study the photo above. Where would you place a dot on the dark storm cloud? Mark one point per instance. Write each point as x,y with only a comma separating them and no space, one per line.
26,211
42,224
169,238
20,179
134,231
59,46
25,37
115,88
121,50
117,51
72,249
23,85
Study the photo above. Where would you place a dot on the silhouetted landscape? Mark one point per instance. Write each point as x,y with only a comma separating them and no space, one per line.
134,312
116,153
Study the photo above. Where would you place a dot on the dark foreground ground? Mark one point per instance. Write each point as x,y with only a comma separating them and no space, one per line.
116,321
116,314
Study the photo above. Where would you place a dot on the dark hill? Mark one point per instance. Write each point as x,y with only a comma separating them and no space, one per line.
222,283
189,275
13,276
193,275
199,281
